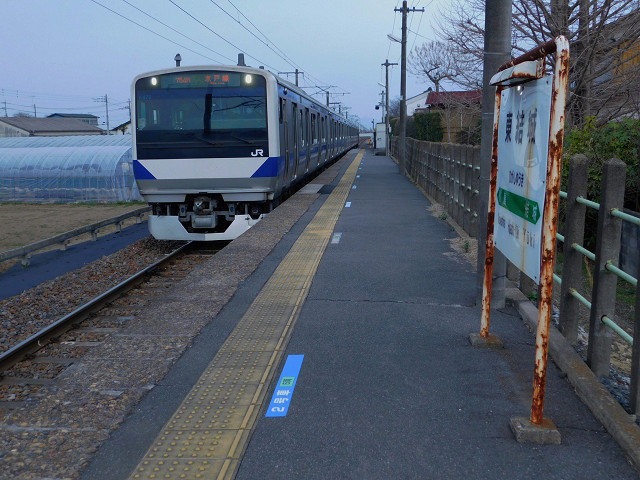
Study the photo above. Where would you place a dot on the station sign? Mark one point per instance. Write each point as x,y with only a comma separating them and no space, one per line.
523,146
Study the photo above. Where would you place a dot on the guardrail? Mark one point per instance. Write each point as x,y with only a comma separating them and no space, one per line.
63,239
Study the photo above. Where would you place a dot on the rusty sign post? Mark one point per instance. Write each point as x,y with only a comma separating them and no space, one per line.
525,189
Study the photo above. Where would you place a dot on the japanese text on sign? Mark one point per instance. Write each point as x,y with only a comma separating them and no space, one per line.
523,145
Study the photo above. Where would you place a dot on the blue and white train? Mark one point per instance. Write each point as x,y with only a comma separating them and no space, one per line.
216,148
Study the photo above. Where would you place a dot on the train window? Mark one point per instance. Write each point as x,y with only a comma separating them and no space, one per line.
314,129
283,104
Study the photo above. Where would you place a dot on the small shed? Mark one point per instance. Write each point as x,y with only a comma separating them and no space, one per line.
87,168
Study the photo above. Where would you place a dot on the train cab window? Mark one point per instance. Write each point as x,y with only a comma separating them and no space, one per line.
199,114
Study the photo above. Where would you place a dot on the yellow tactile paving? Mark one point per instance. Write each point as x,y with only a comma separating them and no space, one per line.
207,435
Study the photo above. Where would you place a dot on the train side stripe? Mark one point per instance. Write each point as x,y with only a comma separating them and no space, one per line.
268,168
140,172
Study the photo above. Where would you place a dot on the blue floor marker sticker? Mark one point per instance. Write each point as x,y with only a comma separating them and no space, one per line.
283,392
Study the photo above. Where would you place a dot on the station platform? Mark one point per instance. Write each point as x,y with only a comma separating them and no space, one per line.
356,327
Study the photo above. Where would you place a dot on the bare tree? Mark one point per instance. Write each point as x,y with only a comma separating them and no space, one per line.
462,29
605,47
435,61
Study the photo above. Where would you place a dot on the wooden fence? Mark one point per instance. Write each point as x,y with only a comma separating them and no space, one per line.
449,174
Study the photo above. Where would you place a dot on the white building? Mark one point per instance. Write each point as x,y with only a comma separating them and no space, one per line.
419,101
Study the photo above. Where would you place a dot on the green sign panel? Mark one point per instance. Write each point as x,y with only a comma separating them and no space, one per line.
520,206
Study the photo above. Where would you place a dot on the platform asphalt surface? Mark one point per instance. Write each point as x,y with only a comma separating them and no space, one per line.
390,386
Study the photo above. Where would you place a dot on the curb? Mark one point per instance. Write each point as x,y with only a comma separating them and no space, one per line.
620,425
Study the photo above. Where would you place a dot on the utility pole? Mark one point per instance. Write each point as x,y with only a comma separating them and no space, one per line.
386,64
106,106
403,84
297,72
105,99
497,51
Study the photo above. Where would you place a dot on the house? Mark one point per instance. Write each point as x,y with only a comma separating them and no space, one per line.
83,117
461,112
419,101
122,129
45,127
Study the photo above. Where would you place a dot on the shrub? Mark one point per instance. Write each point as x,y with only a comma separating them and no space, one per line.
428,126
620,139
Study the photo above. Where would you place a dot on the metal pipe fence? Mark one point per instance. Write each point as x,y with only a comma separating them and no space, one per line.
601,308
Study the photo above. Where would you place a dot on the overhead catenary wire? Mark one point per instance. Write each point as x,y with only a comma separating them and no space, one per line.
176,31
242,20
152,31
220,36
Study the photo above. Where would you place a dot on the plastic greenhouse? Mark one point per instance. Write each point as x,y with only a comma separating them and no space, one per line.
82,168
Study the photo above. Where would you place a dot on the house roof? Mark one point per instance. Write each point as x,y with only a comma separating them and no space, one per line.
420,95
53,125
445,98
71,115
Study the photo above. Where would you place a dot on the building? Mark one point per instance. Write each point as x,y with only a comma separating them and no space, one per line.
83,117
419,101
122,129
45,127
461,113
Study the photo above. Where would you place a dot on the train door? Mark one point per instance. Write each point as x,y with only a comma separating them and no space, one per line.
301,151
296,140
325,137
306,141
315,150
284,138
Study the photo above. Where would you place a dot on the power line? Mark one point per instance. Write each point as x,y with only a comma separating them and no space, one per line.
176,31
220,36
151,31
282,56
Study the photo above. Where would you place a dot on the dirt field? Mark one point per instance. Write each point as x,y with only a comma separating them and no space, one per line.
22,224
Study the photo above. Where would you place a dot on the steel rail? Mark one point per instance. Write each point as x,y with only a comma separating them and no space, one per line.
41,339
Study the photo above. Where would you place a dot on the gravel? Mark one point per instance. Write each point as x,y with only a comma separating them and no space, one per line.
24,315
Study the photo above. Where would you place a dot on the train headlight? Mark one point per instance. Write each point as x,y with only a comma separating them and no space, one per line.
248,79
154,81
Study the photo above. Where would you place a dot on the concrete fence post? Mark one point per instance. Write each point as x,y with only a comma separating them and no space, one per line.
475,192
466,198
634,395
456,151
450,174
603,300
573,233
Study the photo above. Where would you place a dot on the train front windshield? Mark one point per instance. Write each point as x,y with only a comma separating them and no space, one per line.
201,114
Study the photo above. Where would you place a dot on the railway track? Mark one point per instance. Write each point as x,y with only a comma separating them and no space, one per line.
36,361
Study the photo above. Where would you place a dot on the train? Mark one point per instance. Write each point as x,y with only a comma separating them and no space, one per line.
216,148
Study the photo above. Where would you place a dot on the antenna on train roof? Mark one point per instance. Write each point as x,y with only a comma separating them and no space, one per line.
241,60
178,59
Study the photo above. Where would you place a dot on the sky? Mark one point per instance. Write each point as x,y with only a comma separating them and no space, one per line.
65,56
